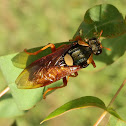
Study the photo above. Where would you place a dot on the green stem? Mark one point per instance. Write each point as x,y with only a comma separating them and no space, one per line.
113,99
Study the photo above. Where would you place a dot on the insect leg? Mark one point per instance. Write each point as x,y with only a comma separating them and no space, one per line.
53,48
60,46
76,38
75,74
93,63
50,89
82,43
90,60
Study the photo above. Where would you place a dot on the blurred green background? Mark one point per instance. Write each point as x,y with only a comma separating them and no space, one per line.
28,24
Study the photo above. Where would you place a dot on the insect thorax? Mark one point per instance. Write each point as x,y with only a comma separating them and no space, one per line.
80,54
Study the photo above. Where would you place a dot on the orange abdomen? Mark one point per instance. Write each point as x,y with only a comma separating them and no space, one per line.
53,74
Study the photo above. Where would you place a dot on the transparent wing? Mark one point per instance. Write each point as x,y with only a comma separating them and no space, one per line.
33,76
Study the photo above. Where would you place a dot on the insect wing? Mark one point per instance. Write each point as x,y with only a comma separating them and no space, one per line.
34,73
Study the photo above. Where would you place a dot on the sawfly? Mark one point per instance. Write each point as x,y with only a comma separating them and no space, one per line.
62,63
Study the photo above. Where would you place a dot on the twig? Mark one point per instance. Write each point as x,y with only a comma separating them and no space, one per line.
113,99
101,118
4,91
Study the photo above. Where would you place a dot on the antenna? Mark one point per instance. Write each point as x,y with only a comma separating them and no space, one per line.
101,45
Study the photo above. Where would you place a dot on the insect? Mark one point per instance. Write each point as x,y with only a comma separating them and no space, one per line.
64,61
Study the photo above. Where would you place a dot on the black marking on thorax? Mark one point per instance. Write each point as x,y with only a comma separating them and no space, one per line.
80,54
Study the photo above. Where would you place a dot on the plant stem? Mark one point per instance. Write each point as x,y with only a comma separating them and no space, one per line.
4,91
116,94
113,99
101,118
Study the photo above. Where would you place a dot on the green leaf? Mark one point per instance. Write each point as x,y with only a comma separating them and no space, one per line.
8,107
83,102
114,113
115,122
104,17
24,98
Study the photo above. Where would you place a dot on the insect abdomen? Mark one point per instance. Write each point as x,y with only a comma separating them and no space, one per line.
55,73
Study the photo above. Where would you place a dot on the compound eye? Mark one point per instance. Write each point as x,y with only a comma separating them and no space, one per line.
99,52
